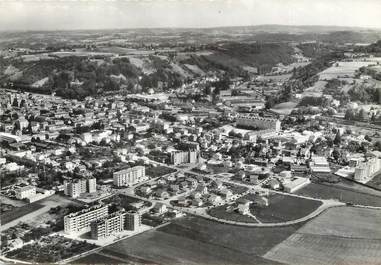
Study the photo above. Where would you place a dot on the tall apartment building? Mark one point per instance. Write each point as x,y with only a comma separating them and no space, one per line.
184,157
79,222
76,187
91,185
129,176
257,122
366,170
133,220
108,225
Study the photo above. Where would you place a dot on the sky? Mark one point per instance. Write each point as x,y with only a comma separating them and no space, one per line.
104,14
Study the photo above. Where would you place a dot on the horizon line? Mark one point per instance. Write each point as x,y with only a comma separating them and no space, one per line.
195,28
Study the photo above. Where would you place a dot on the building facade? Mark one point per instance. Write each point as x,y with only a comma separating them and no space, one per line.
76,187
79,222
184,157
366,170
133,221
25,192
130,176
108,225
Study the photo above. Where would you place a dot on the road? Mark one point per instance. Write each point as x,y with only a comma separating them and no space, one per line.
202,213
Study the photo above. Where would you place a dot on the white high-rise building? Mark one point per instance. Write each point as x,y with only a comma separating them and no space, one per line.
132,221
76,187
79,222
129,176
108,225
184,157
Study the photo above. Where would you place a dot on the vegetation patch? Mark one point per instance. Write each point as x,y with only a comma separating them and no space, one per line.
18,212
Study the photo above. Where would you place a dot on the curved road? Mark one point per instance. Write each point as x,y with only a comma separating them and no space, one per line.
202,213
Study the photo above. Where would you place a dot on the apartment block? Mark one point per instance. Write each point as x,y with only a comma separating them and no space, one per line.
133,220
76,187
25,192
366,170
91,185
184,157
108,225
129,176
79,222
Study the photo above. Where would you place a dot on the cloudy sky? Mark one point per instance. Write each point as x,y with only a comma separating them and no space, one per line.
96,14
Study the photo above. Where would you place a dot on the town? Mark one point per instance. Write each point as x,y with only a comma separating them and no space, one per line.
81,175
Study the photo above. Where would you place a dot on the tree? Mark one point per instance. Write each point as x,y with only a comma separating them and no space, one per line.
349,115
362,115
15,103
336,154
377,146
337,139
270,102
329,142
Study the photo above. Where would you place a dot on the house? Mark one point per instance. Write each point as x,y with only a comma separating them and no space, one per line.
217,184
200,178
226,194
160,208
202,189
274,184
174,188
197,202
192,182
162,182
240,175
146,190
184,185
182,201
162,194
254,179
215,200
196,195
137,206
244,207
261,201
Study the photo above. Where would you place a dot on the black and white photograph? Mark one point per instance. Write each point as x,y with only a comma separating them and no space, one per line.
190,132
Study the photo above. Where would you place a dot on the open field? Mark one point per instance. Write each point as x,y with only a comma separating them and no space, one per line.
283,208
375,182
284,107
158,171
19,211
344,235
346,222
352,185
316,90
193,240
343,69
98,258
326,191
